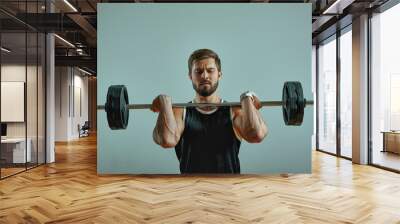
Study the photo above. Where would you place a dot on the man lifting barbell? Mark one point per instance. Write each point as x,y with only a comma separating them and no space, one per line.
207,133
207,139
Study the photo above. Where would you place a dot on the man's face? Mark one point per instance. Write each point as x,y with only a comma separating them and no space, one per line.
205,76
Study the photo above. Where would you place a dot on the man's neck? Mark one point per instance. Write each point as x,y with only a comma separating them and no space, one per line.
214,98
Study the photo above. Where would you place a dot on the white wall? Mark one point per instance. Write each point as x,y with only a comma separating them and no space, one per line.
79,117
14,73
62,81
70,83
17,73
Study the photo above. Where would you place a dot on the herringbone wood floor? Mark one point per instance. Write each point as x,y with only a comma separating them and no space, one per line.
70,191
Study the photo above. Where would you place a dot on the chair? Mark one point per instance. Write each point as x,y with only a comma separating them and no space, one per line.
84,130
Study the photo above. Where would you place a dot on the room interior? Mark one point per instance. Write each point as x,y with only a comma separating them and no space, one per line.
48,151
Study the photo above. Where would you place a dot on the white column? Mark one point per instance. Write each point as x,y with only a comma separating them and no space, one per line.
50,92
360,90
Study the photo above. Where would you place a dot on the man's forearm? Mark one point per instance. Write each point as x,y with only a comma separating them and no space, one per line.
253,125
165,130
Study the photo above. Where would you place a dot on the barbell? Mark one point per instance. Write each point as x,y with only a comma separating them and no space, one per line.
117,105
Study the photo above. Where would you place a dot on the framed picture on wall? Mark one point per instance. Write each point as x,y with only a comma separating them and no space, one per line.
12,101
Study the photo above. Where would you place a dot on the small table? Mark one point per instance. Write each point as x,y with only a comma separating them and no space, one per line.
391,141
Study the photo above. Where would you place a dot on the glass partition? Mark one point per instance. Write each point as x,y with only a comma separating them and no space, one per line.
22,78
14,154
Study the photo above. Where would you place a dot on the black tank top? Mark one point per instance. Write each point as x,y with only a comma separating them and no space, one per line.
208,143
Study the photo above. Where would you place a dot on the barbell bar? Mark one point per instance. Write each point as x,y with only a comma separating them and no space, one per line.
117,105
185,105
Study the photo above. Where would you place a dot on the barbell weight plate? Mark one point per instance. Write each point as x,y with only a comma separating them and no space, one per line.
117,107
293,103
300,103
287,103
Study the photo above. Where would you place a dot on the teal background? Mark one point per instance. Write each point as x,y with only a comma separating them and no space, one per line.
146,47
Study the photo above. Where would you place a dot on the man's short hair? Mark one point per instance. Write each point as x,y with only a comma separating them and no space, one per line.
201,54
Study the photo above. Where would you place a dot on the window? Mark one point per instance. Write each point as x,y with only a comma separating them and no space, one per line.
346,92
385,88
327,95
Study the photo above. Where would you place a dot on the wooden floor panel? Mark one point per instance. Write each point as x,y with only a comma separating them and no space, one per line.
69,191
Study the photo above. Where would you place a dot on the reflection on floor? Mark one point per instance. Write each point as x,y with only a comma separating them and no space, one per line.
10,169
387,159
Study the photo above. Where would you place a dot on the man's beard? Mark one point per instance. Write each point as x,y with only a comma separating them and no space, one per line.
203,91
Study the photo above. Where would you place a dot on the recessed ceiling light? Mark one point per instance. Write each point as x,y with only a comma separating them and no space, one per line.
5,50
70,5
64,40
337,7
84,71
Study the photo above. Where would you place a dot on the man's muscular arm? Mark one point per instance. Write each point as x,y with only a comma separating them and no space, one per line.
169,126
248,121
